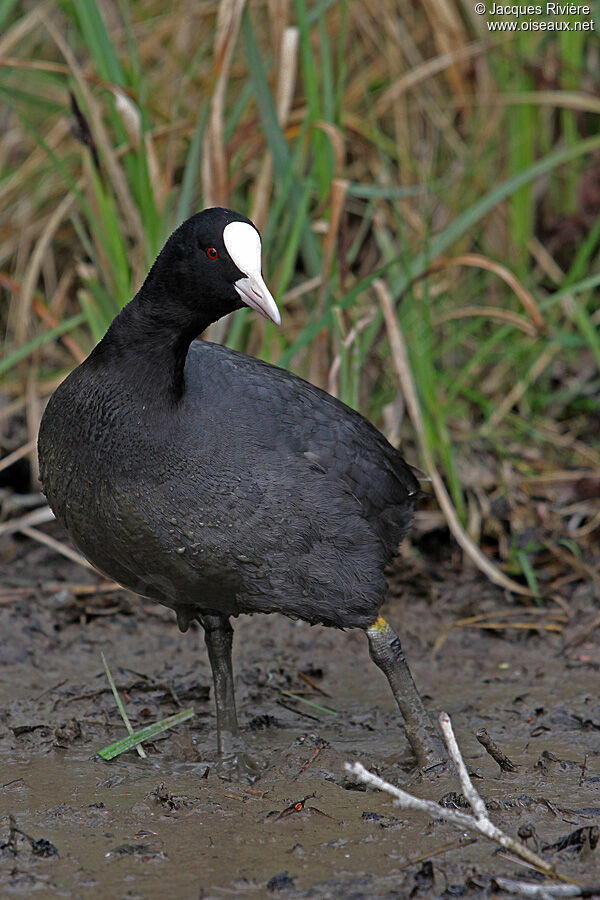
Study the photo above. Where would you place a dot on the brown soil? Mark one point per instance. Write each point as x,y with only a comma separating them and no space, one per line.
172,826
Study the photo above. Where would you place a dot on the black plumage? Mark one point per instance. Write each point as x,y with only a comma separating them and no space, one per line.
213,482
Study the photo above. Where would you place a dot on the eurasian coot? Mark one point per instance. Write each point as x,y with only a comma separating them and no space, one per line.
217,484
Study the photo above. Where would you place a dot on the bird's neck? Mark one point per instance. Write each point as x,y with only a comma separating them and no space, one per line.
148,342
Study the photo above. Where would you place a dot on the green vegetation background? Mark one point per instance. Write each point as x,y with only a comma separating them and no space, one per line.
396,141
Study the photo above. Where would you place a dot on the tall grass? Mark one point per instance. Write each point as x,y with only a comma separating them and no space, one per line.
367,148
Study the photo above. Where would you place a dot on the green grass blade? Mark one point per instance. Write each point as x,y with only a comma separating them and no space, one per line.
588,330
23,352
264,100
6,8
314,705
145,734
528,572
319,10
119,703
369,191
97,40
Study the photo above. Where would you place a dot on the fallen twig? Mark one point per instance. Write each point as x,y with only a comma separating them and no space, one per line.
479,821
495,752
463,841
312,684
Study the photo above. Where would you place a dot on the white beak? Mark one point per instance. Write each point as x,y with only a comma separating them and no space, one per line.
256,294
243,245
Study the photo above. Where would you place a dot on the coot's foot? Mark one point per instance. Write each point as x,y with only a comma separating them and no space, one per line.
238,764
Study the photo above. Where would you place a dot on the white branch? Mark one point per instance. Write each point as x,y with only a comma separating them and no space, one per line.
539,891
479,821
475,801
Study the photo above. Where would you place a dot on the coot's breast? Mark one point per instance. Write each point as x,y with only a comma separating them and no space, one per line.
256,493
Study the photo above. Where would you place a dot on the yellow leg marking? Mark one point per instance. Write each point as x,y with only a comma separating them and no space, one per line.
379,625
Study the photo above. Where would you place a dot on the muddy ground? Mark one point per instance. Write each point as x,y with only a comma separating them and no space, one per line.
172,826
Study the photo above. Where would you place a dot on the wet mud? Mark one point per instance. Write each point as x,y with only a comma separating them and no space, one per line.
72,825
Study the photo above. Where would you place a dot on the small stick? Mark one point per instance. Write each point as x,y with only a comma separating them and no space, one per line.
298,712
312,684
451,845
583,770
52,688
495,752
320,746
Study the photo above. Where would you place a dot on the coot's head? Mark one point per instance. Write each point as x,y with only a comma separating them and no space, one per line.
214,259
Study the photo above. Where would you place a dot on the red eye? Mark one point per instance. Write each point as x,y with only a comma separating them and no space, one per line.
212,253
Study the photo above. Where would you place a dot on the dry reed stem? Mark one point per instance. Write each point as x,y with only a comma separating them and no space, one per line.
339,189
214,157
43,538
20,452
279,16
431,102
520,388
545,260
405,377
476,260
118,179
450,37
30,519
488,312
301,289
574,100
429,68
286,85
23,26
36,259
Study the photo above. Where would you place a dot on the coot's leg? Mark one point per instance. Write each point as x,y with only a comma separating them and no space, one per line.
386,652
235,759
218,635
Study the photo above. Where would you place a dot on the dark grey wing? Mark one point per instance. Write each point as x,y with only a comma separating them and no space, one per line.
312,434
